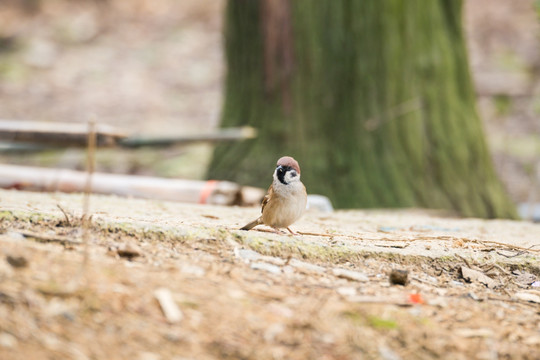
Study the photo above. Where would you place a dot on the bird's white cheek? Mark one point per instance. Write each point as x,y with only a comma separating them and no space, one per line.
289,178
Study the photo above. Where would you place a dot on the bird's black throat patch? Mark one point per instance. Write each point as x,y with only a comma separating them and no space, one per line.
280,172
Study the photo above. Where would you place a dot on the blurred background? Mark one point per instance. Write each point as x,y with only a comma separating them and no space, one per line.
154,67
147,67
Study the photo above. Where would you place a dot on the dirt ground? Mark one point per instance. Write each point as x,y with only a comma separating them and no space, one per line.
322,294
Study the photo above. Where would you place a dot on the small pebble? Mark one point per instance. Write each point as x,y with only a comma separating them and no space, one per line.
15,235
148,356
388,354
525,278
7,340
266,267
346,291
399,277
306,267
128,251
247,254
350,274
17,261
527,296
192,270
473,296
168,305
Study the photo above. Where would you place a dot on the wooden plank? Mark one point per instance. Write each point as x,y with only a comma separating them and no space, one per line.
57,133
147,187
229,134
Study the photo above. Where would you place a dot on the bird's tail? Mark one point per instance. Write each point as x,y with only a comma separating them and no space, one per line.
252,224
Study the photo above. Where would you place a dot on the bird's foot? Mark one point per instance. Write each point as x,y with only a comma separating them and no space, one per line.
292,232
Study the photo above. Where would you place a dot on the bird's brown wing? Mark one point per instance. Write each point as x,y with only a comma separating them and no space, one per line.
267,198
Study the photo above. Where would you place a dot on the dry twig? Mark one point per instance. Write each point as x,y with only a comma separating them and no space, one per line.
90,164
65,214
48,238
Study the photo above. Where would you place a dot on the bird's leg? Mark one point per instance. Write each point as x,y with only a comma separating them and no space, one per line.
292,232
278,231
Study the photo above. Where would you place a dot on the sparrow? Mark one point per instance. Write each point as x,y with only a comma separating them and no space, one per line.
286,199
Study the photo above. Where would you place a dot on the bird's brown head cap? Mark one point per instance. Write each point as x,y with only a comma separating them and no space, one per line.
289,161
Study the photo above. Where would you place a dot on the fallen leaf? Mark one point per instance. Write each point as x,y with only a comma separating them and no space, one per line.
471,275
416,299
525,278
349,274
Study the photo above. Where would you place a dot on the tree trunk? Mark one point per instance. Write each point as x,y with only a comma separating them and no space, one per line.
373,98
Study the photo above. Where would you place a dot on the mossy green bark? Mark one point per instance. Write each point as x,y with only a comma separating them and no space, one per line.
376,103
